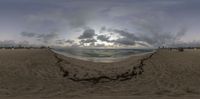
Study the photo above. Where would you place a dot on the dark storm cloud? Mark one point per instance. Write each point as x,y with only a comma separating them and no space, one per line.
87,34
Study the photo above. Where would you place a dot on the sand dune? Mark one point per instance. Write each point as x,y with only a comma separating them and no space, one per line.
40,73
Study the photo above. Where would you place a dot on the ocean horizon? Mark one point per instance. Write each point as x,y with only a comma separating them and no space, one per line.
101,55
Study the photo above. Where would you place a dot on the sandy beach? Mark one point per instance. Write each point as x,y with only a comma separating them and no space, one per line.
43,74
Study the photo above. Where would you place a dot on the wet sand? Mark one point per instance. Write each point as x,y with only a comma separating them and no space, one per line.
43,74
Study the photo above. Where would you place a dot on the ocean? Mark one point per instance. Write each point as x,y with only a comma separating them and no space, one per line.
100,55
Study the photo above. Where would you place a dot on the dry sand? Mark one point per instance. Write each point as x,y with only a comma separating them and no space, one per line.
42,74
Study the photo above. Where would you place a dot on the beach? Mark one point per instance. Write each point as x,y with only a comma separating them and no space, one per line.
43,74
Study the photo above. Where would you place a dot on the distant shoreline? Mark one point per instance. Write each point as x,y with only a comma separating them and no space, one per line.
100,59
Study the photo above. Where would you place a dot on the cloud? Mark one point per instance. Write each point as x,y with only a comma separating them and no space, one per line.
158,29
87,41
46,38
100,45
103,38
102,29
24,43
87,34
186,44
181,32
124,41
143,44
161,38
126,38
152,20
60,42
7,43
65,17
70,41
151,35
63,41
12,43
28,34
124,33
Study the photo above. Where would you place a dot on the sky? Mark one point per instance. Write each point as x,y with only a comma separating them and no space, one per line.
100,23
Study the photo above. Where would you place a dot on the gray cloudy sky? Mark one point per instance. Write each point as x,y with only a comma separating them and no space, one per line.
101,23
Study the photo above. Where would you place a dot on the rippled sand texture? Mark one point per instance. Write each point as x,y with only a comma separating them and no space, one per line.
40,73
